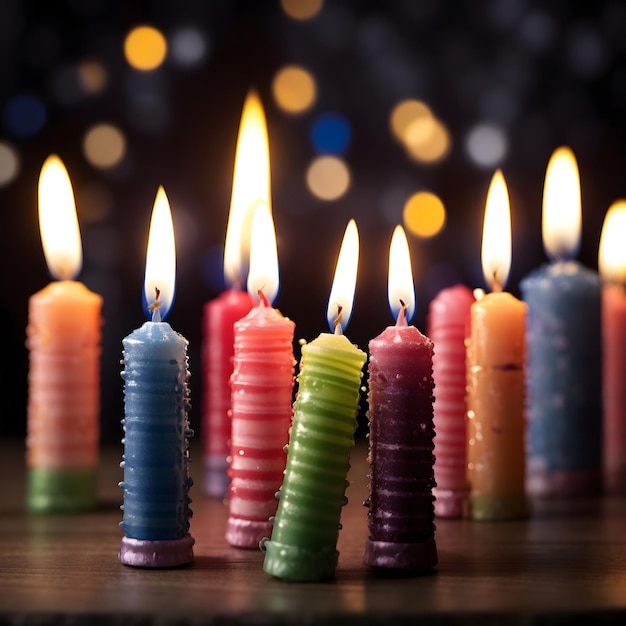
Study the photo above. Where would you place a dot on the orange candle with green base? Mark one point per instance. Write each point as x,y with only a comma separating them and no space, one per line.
495,377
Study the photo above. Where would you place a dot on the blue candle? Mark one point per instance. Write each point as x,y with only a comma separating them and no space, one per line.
563,382
156,430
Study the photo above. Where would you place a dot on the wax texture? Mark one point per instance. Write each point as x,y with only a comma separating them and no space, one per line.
262,396
564,380
495,408
303,545
401,476
156,434
448,329
614,386
219,318
63,337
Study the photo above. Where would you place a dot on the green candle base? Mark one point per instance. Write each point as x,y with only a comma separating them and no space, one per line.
298,564
497,508
61,490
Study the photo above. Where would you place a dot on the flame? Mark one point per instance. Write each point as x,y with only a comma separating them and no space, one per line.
160,259
58,223
251,185
263,273
562,213
342,293
400,284
612,255
496,248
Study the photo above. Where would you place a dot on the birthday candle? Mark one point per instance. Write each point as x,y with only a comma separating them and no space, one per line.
303,546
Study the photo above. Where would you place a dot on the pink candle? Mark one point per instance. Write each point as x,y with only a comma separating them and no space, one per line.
448,328
251,184
612,265
262,387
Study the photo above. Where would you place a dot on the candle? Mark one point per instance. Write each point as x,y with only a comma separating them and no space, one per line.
303,546
564,381
612,266
448,328
401,477
495,376
251,184
156,430
262,387
63,336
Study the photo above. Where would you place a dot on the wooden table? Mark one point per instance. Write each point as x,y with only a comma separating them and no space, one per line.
566,562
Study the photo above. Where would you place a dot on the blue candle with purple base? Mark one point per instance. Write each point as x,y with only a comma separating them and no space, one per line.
156,429
564,343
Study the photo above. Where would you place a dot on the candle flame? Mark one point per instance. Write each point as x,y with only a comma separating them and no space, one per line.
562,213
251,185
160,278
344,283
58,223
612,255
263,275
496,247
400,287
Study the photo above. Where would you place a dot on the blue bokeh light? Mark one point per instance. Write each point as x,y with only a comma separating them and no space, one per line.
24,115
331,134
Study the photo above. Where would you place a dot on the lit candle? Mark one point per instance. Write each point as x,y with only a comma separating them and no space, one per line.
303,546
262,388
564,342
612,266
448,328
251,184
63,336
400,517
156,430
495,376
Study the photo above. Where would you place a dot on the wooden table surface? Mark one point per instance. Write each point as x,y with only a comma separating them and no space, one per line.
567,561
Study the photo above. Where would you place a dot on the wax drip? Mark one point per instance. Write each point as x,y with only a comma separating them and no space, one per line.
155,307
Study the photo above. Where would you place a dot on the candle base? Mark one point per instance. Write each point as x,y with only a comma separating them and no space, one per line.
157,554
61,490
404,556
216,479
564,483
496,508
298,564
449,503
241,533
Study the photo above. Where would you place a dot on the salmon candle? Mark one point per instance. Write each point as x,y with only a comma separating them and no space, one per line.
495,377
262,388
303,546
400,517
612,266
63,337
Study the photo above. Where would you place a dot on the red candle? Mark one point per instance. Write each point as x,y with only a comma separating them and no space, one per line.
612,266
448,328
400,518
251,184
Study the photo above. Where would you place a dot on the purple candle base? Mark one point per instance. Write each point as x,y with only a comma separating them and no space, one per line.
544,483
241,533
155,554
216,479
405,556
449,503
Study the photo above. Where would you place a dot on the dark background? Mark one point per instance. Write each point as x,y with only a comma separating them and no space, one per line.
545,73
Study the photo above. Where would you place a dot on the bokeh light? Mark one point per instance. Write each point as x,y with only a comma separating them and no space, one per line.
301,9
328,177
405,113
9,163
330,134
486,145
24,115
424,214
294,89
104,146
92,75
427,140
189,46
145,48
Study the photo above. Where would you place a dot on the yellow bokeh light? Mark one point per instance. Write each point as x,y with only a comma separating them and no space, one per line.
145,48
424,214
301,9
404,113
92,76
427,141
328,177
104,146
294,89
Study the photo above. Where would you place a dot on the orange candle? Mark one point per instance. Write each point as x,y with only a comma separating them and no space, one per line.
495,377
63,336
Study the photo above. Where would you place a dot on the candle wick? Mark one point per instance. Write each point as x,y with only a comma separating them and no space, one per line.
155,307
337,321
401,320
497,287
263,301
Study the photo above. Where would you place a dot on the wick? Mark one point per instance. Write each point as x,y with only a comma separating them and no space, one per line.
401,321
337,321
263,301
155,307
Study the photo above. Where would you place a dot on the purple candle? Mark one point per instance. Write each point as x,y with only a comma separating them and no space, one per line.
401,513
